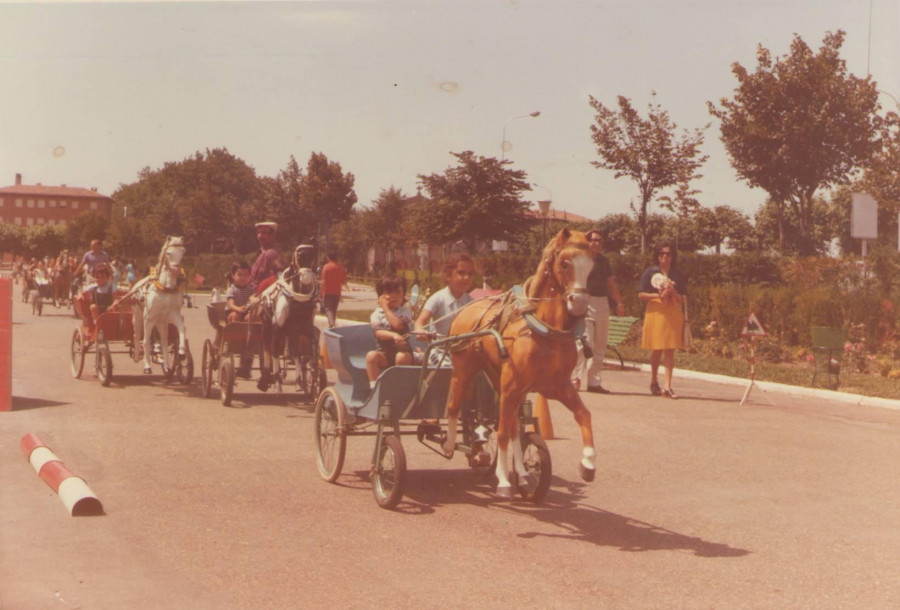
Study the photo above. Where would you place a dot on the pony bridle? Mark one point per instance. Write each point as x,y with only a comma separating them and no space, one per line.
576,297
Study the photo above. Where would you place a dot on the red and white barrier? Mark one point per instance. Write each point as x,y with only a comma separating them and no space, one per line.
5,344
71,489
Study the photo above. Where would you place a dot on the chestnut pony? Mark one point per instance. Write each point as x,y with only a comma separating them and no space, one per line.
537,333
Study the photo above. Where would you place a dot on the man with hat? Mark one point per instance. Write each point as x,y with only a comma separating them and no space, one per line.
269,262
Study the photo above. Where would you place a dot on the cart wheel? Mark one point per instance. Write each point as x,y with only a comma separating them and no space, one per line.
184,366
206,368
77,350
104,362
226,381
389,474
331,439
537,462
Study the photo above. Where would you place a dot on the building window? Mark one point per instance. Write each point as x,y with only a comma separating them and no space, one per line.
1,202
74,205
18,203
40,221
62,222
41,203
29,221
63,204
53,203
93,205
18,221
31,203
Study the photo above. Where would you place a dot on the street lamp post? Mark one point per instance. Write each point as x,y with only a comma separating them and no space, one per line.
544,205
503,142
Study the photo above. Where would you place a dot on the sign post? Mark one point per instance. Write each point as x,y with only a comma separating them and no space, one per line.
753,329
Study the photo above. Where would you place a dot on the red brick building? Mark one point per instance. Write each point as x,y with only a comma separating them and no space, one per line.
35,204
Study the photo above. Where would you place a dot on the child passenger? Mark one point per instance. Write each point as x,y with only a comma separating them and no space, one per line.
391,322
239,293
443,305
102,292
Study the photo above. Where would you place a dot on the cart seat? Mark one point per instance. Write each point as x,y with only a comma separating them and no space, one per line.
347,348
217,314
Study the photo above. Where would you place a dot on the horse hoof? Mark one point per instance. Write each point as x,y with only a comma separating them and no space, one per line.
587,474
148,371
505,492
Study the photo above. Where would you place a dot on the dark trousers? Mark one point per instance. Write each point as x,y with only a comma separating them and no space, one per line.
330,305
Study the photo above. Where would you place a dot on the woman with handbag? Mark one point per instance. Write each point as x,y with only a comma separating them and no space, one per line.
664,289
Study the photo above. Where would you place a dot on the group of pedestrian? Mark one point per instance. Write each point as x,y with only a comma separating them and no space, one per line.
663,288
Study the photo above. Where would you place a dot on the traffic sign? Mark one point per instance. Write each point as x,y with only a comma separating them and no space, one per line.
753,327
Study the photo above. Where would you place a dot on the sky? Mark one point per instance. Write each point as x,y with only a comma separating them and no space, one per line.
93,93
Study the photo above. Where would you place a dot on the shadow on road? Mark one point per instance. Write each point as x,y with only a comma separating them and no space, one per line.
21,403
563,510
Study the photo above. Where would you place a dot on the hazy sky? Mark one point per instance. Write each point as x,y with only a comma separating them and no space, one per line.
93,93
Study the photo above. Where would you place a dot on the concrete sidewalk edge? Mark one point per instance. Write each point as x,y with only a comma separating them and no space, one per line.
853,399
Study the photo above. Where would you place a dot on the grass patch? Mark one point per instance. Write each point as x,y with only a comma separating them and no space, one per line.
791,374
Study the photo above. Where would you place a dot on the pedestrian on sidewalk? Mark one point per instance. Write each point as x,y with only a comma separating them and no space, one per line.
601,287
663,288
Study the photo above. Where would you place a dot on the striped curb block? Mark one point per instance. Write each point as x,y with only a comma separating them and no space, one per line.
78,498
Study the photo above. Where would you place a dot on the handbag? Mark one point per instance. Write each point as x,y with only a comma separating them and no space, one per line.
687,338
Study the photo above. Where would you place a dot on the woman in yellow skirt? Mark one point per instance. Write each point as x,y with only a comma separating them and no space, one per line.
664,290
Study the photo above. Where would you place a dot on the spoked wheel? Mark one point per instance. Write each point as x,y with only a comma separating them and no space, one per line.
77,351
103,362
207,365
537,461
226,381
331,439
389,473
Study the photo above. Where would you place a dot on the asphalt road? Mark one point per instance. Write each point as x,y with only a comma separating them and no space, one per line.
784,502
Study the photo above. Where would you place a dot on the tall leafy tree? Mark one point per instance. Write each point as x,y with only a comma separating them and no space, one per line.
882,180
478,200
797,124
209,198
282,203
326,192
715,225
387,221
645,150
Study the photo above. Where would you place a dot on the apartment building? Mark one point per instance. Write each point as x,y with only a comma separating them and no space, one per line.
36,204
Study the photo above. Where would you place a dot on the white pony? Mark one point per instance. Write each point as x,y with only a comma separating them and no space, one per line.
158,304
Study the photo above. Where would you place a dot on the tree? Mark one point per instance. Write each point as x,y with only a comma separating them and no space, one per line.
715,225
85,227
326,193
282,202
645,150
210,199
882,181
386,223
684,205
478,200
797,124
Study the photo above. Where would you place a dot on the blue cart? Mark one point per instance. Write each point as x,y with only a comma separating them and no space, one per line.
411,400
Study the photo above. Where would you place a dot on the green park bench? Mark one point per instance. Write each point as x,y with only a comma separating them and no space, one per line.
619,328
828,351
